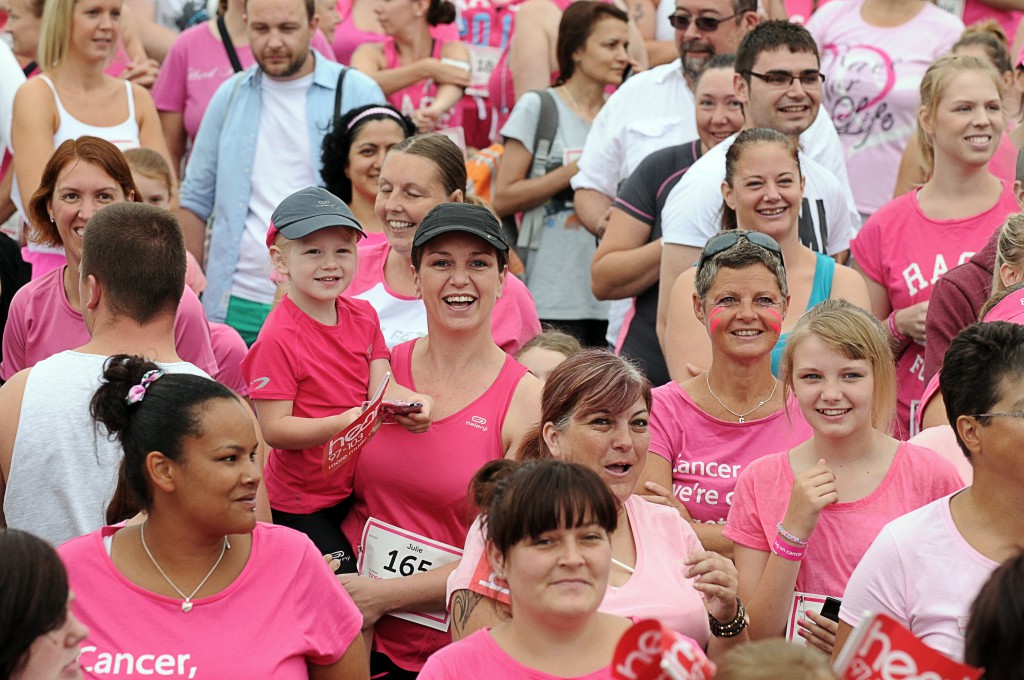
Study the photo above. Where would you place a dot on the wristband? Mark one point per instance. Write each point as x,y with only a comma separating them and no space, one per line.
790,537
788,552
895,332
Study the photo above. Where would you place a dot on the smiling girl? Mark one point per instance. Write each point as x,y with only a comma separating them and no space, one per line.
802,519
916,238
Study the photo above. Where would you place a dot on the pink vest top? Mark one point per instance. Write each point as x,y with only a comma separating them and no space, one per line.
415,96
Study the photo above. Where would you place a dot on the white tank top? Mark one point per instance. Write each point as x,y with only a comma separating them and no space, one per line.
124,135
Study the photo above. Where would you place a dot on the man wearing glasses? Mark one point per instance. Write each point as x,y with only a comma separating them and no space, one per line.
777,74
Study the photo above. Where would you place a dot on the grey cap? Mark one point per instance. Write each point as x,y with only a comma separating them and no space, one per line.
309,210
465,217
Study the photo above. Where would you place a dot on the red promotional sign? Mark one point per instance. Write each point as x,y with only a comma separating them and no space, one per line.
880,648
649,651
343,446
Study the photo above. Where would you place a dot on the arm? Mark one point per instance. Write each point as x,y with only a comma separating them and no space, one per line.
6,204
415,422
909,321
531,49
32,128
173,125
472,611
420,592
625,263
514,192
686,340
151,134
523,414
282,430
353,664
369,58
644,13
675,259
156,38
11,394
448,93
850,286
591,208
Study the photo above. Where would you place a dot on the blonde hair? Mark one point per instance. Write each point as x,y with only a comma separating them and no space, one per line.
554,340
1009,248
774,660
55,32
933,87
856,334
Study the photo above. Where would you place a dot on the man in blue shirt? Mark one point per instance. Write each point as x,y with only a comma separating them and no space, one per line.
259,142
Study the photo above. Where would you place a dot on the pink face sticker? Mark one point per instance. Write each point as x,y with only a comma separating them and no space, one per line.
777,327
713,319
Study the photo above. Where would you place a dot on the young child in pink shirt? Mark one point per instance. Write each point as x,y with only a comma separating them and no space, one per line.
318,358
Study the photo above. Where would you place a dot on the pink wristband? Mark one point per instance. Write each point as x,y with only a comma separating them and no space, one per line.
788,552
900,337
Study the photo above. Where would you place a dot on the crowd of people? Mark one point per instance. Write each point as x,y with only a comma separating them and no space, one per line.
386,338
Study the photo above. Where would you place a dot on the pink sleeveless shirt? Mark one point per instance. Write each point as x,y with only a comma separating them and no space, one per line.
416,96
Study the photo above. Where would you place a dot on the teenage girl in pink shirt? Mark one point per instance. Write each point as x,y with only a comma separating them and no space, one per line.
802,519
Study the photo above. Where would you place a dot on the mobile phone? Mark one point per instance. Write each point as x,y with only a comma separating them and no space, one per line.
831,609
390,409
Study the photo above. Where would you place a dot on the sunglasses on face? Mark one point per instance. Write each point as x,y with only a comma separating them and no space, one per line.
681,22
727,240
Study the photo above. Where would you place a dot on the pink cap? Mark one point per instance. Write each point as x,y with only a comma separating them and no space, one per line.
271,235
1010,308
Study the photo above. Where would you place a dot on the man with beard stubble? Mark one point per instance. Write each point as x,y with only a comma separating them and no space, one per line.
259,142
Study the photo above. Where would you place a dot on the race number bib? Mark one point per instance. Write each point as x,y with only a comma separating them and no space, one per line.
483,60
392,552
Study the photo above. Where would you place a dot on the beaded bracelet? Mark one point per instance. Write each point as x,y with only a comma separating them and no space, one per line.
787,552
896,334
790,537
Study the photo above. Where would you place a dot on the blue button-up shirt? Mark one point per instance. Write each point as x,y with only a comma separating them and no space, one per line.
218,179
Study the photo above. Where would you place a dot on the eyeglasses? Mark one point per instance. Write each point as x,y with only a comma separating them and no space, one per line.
808,79
1008,414
728,239
681,22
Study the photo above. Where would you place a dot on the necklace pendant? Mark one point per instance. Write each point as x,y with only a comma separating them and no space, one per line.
186,606
742,419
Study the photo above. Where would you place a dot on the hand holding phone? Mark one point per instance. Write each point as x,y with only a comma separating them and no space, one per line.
390,409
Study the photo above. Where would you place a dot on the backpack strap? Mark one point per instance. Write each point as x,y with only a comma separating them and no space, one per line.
338,95
229,46
544,137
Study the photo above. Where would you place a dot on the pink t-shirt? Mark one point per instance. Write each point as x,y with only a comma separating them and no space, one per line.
905,251
348,36
657,589
844,532
323,370
977,10
872,78
196,66
707,454
419,482
286,607
402,318
419,95
42,322
229,348
922,572
479,656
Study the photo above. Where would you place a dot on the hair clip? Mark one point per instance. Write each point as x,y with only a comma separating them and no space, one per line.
137,392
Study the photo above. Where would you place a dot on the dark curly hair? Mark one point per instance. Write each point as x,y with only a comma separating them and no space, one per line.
338,142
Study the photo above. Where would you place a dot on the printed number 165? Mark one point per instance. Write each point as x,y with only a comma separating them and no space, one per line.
407,567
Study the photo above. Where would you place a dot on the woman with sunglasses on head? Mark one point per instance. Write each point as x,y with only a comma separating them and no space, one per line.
802,519
916,238
704,430
763,192
595,412
191,589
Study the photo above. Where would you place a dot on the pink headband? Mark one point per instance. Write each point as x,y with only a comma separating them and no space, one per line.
375,110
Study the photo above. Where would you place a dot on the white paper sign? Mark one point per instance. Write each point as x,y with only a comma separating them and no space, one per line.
802,603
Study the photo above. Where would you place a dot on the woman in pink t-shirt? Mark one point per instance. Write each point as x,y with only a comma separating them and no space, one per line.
706,429
160,594
905,247
549,541
659,569
423,77
802,519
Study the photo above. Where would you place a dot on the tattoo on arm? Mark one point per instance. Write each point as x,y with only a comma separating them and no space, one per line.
464,603
638,10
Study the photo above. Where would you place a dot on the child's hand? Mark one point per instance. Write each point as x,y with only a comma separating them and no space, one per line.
418,422
346,418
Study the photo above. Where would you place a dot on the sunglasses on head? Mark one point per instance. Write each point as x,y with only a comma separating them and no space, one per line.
704,24
720,243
